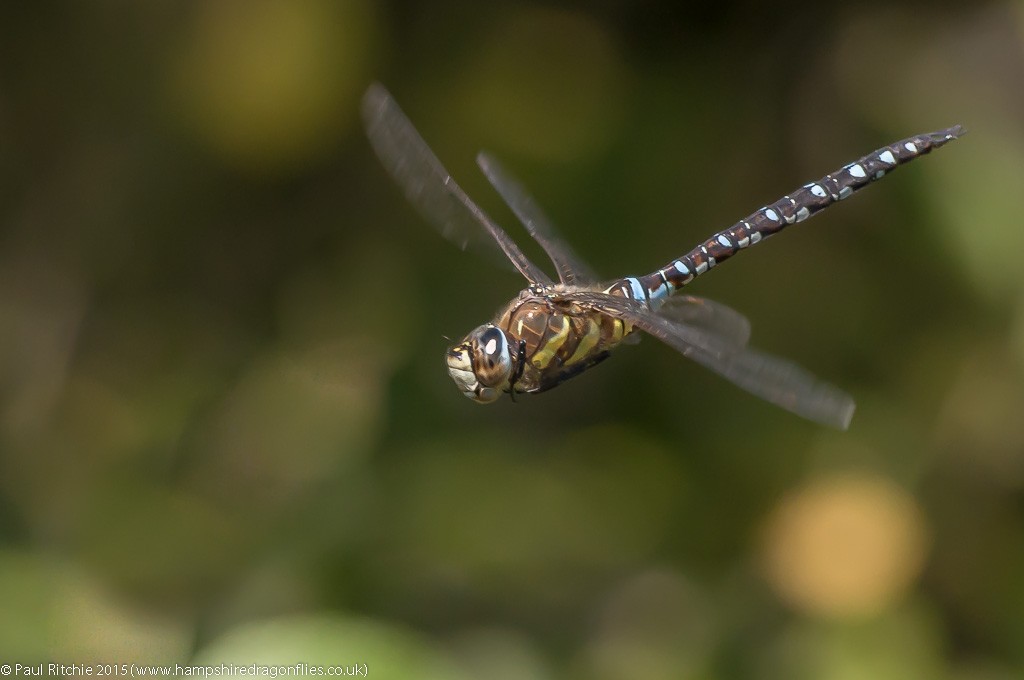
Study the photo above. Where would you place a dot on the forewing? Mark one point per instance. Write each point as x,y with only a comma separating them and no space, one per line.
428,186
571,269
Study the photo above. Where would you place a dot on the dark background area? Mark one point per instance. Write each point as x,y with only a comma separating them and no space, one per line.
227,434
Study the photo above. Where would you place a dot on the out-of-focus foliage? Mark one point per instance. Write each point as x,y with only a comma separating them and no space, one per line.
226,433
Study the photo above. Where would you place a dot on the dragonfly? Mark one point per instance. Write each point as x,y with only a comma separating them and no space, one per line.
553,331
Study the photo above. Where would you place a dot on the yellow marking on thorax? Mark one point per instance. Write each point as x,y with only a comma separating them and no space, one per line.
547,350
587,342
617,331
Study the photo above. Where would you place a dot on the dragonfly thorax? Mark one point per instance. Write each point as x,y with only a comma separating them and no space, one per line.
481,365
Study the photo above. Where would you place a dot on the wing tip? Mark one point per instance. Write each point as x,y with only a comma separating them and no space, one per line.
845,415
374,100
484,159
834,409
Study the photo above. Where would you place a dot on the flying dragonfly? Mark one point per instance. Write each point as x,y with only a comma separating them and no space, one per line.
553,331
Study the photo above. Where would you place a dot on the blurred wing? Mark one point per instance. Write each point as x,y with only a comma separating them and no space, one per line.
571,269
688,338
782,383
713,316
427,184
775,380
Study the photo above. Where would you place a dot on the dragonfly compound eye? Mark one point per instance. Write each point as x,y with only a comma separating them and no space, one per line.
462,360
492,362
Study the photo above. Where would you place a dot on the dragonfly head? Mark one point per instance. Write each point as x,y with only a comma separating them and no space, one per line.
481,364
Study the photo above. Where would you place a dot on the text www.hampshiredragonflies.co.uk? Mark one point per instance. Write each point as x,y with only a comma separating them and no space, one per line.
104,670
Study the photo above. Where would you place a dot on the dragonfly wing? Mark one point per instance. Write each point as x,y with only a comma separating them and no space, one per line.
682,336
427,184
720,319
771,378
571,269
782,383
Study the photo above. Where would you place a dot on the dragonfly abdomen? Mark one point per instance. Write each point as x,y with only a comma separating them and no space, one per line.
790,209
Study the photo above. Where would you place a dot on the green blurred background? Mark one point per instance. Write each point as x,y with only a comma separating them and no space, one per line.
226,431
